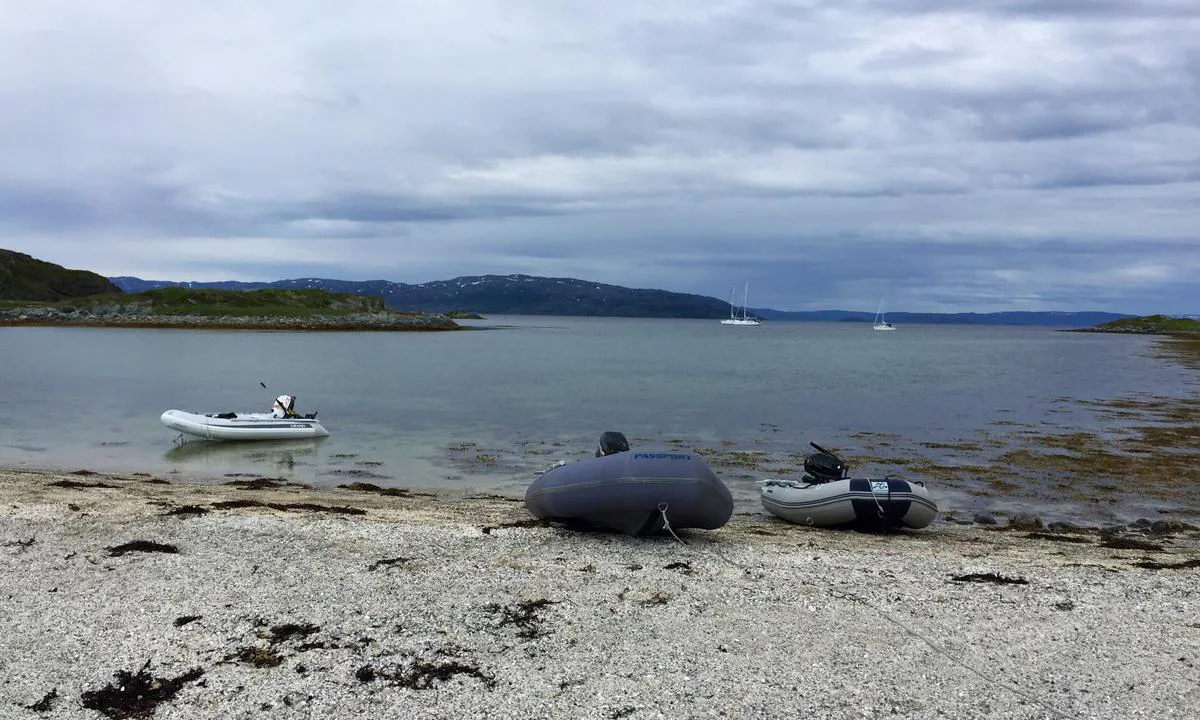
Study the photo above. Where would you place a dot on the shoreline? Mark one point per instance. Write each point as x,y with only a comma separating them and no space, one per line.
391,323
256,598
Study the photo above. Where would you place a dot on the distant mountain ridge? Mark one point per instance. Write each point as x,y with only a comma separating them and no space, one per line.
493,294
26,278
1012,317
531,295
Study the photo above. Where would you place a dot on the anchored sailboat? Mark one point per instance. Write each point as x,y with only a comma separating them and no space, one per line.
881,322
733,318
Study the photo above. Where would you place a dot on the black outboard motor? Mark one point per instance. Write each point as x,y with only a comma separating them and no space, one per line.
823,466
612,442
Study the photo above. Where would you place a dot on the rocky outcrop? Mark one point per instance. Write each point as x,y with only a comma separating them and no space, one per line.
139,314
1150,325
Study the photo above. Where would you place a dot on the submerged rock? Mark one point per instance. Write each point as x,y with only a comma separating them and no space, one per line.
1025,521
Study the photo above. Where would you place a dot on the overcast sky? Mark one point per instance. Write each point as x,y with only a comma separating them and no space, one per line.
945,155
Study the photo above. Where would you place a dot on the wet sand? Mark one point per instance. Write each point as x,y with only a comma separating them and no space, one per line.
227,601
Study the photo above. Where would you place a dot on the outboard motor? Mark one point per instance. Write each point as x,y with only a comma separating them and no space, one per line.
612,442
284,406
823,466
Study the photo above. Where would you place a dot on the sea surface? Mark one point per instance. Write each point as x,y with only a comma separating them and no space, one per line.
485,410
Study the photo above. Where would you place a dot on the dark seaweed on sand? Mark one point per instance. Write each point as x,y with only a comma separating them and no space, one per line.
1182,565
77,484
284,507
136,695
46,704
990,578
526,616
423,674
141,546
187,510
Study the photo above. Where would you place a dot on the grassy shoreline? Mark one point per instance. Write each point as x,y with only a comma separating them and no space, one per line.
388,323
268,309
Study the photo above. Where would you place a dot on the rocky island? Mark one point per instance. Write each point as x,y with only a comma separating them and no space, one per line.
1149,325
270,309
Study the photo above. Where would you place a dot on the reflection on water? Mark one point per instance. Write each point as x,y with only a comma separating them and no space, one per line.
280,455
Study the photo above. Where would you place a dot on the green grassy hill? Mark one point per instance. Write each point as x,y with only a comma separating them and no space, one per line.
1151,325
236,303
25,278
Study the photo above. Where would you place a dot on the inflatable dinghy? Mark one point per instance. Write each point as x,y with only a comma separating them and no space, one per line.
635,492
282,423
825,497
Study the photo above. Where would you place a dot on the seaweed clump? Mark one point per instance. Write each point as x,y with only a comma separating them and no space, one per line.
141,546
136,695
423,674
525,615
990,578
46,704
284,507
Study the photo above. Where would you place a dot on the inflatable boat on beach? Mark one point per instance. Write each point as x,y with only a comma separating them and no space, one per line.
634,492
282,423
826,497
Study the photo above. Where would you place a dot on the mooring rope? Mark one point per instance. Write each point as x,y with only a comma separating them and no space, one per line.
663,507
946,654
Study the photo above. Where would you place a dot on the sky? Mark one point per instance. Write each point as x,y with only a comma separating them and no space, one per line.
974,155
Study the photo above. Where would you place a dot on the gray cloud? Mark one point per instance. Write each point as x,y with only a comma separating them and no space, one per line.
948,155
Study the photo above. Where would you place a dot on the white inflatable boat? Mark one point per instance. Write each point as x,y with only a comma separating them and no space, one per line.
282,423
242,426
826,497
886,502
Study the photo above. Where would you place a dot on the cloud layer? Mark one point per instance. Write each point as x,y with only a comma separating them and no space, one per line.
979,155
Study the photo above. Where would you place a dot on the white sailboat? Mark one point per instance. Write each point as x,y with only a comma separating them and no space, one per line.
881,322
733,318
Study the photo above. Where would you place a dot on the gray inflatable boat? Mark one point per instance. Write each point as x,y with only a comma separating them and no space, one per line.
631,491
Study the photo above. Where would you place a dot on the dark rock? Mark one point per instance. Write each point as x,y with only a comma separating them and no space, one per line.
1024,521
984,519
1066,527
1170,526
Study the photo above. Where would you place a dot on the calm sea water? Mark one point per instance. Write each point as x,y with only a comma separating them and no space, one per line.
482,411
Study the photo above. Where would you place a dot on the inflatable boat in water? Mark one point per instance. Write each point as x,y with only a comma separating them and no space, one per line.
825,497
635,492
282,423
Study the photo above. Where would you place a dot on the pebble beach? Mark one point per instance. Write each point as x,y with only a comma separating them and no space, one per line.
131,596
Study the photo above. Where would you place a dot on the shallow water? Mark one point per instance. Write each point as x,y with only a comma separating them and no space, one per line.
482,411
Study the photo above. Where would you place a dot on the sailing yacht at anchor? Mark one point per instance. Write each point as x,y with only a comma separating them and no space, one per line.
881,322
733,318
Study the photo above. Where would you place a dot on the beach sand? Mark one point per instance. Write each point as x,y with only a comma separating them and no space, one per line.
219,601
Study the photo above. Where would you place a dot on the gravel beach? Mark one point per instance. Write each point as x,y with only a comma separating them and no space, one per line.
128,596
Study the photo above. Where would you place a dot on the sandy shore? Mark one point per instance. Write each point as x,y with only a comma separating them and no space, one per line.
231,602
